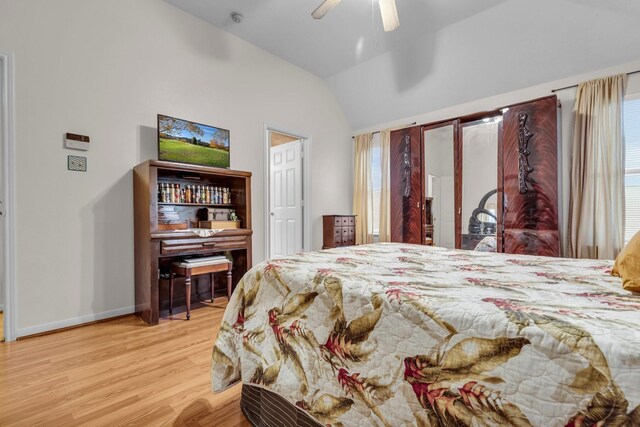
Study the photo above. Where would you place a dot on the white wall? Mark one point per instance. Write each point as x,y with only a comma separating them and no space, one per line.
566,98
105,69
514,45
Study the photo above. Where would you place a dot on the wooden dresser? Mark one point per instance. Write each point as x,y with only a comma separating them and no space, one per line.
156,248
338,230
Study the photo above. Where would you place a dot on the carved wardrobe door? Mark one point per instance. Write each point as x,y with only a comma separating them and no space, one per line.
406,196
530,178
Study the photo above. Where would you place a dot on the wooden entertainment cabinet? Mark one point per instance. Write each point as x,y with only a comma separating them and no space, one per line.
156,249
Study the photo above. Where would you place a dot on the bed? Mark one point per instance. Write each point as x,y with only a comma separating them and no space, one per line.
405,335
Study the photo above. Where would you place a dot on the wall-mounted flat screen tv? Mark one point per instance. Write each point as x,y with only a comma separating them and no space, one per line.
183,141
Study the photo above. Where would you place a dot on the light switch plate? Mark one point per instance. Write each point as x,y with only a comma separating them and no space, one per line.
77,163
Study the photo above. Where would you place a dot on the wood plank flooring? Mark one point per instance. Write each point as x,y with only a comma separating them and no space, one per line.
118,372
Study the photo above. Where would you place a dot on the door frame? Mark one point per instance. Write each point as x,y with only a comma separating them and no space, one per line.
306,187
7,139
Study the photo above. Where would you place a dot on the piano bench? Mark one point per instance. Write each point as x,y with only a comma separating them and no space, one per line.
187,269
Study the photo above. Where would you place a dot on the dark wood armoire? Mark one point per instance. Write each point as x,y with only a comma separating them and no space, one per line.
530,178
406,184
527,187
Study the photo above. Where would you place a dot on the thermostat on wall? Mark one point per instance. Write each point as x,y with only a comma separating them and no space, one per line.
77,142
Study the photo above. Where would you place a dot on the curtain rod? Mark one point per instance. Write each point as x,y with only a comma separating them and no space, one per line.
572,86
401,127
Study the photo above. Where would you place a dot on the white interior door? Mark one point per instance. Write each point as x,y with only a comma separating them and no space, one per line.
285,199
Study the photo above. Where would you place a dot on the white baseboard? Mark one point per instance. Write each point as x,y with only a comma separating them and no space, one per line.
75,321
2,308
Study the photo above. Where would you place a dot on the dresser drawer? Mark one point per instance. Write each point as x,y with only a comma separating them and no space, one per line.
348,240
198,245
352,220
337,221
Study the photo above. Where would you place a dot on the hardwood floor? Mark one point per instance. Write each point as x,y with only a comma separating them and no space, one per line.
118,372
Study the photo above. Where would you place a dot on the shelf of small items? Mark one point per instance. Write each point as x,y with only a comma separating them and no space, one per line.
192,194
198,204
180,197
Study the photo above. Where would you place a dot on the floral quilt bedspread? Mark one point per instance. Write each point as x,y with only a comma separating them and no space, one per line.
404,335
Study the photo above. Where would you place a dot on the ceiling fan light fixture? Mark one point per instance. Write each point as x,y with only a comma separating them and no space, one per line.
389,14
325,7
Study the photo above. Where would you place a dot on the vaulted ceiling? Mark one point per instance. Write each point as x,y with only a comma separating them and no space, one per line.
445,52
348,35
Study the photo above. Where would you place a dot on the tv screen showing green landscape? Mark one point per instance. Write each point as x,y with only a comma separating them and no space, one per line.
183,141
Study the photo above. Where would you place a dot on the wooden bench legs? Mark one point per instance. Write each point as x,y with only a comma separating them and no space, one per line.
212,285
188,272
187,292
229,284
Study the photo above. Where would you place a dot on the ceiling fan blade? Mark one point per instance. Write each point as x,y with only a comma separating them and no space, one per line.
389,14
325,7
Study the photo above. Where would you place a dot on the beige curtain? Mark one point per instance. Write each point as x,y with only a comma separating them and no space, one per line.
362,189
385,161
596,211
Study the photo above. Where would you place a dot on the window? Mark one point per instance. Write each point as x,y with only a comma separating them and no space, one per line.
632,166
376,184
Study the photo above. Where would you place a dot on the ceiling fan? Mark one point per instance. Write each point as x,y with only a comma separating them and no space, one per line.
387,9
